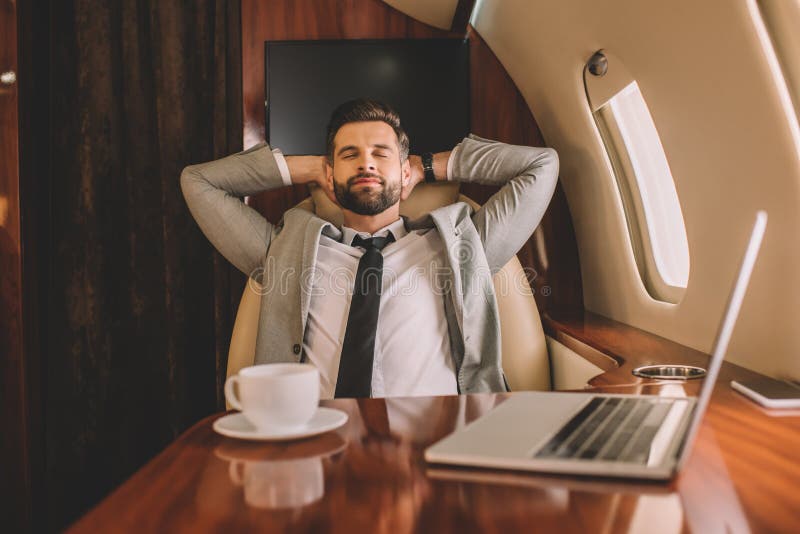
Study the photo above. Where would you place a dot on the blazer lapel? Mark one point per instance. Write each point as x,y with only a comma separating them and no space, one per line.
314,229
445,221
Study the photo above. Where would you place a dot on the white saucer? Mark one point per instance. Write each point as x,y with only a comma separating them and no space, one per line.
235,425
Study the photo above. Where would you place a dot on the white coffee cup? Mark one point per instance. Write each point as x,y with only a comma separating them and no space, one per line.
275,395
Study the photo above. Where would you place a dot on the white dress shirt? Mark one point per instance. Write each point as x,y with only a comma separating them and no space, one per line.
412,346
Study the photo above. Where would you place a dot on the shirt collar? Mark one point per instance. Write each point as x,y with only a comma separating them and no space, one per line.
397,229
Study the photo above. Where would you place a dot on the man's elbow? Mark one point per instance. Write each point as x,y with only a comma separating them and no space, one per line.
544,166
189,180
550,163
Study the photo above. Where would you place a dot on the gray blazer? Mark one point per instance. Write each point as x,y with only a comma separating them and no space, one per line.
282,257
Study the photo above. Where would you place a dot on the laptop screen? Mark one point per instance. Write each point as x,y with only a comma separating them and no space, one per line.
725,330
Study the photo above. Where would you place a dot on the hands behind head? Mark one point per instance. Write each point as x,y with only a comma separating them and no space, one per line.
307,169
312,171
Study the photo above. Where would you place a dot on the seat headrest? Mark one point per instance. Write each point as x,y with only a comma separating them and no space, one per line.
423,199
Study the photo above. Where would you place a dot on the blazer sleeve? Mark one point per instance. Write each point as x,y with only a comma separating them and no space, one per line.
214,191
528,178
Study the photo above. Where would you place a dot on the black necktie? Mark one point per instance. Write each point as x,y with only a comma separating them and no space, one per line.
358,347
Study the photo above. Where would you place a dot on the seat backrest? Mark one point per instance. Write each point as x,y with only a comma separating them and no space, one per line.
525,359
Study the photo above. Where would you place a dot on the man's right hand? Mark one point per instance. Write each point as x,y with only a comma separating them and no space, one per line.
310,170
307,169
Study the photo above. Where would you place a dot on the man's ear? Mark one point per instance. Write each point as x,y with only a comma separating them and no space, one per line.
329,183
405,179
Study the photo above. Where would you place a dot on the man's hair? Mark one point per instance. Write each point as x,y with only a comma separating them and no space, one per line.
364,110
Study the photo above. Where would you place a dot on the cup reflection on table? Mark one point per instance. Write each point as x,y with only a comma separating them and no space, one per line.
272,478
279,483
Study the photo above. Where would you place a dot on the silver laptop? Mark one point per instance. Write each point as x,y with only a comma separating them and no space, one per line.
638,436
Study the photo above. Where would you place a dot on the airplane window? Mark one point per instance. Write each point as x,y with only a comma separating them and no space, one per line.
648,190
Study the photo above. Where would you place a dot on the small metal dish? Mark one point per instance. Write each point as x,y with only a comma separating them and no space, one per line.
670,372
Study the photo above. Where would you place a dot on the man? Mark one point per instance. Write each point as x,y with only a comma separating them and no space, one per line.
418,315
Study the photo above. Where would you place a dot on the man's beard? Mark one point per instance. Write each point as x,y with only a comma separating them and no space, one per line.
366,202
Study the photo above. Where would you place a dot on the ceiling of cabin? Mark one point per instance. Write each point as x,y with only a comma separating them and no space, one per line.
437,13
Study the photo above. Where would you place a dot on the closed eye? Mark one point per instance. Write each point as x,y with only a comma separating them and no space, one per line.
382,151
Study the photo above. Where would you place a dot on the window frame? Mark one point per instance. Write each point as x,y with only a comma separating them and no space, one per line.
627,182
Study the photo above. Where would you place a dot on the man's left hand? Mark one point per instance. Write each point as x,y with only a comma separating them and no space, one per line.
417,176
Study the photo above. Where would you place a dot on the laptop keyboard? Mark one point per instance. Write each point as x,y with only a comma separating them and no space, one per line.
609,429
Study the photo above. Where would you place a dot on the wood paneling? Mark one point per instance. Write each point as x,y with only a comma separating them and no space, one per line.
370,476
631,347
498,111
15,485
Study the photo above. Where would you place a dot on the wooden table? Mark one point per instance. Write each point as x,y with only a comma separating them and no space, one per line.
369,476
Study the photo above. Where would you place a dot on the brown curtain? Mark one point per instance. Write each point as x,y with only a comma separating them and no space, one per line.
140,307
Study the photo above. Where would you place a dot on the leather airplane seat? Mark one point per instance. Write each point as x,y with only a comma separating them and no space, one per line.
524,349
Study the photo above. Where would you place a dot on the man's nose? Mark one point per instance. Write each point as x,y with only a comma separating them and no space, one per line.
366,163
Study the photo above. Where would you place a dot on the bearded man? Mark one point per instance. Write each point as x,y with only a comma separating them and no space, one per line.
383,306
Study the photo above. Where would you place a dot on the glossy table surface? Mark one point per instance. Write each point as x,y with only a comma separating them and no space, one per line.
369,476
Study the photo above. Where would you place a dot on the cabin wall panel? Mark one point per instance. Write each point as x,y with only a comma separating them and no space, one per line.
706,79
498,111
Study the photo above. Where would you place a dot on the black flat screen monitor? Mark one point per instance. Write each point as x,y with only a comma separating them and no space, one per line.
425,80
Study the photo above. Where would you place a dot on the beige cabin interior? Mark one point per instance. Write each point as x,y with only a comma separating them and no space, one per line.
725,106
